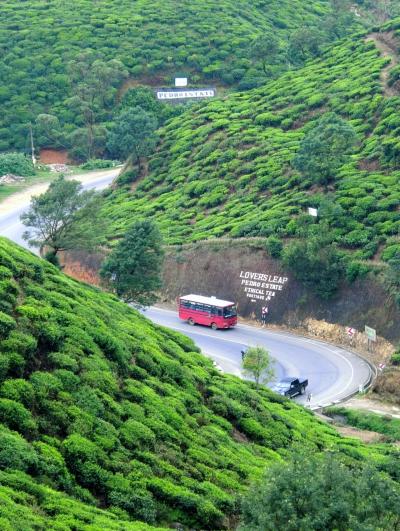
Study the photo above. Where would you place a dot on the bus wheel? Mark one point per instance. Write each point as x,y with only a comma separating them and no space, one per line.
190,321
214,326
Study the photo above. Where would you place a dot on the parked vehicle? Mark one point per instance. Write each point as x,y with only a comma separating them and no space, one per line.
290,386
208,311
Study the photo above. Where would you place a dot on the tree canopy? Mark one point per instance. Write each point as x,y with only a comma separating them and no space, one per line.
258,364
133,268
64,217
316,262
133,135
318,493
325,148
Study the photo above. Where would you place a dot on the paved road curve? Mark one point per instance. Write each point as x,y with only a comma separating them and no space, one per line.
333,373
12,208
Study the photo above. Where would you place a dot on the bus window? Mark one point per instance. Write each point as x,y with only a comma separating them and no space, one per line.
230,311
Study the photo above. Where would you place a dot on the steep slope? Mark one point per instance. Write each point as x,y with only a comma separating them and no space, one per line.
97,402
154,40
225,169
27,505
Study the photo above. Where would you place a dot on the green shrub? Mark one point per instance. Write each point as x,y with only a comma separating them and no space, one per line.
395,358
15,452
136,435
16,164
274,246
7,324
99,164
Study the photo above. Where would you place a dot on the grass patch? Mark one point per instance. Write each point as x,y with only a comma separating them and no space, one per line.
386,425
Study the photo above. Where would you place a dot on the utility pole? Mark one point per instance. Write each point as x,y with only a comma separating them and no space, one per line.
32,146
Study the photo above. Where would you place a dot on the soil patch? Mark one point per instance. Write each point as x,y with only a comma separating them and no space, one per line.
388,46
54,156
364,435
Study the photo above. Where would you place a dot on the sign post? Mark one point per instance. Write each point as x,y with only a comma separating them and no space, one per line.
371,336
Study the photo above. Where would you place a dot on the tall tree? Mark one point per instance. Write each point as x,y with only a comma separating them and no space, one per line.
49,132
94,83
336,24
133,268
325,148
258,364
265,50
64,217
304,44
133,136
319,492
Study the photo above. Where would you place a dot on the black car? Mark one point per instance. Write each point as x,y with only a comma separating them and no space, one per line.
290,386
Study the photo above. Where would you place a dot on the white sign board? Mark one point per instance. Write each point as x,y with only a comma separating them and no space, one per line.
370,333
183,94
181,82
261,286
313,212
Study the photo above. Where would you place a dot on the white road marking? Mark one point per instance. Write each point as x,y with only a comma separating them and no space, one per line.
297,339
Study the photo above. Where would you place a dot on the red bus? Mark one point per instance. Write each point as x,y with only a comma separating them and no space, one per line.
209,311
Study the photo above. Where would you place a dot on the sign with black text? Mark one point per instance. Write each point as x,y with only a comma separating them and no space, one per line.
179,94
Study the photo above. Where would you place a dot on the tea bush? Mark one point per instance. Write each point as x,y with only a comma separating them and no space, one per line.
99,407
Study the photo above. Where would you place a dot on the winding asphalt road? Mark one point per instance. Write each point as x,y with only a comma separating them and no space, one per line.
333,373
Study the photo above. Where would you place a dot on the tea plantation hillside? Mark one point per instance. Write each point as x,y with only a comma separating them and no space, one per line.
102,406
225,169
209,41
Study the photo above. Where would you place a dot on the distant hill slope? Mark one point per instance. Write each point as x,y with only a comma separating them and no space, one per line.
155,40
99,403
225,169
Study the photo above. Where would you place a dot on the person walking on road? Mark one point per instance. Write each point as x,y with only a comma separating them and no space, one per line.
264,315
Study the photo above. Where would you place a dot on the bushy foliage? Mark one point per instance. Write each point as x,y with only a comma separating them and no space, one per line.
317,263
99,403
133,135
99,164
392,277
133,268
321,492
16,164
325,148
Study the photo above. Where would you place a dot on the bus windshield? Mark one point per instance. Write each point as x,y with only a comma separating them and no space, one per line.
230,311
